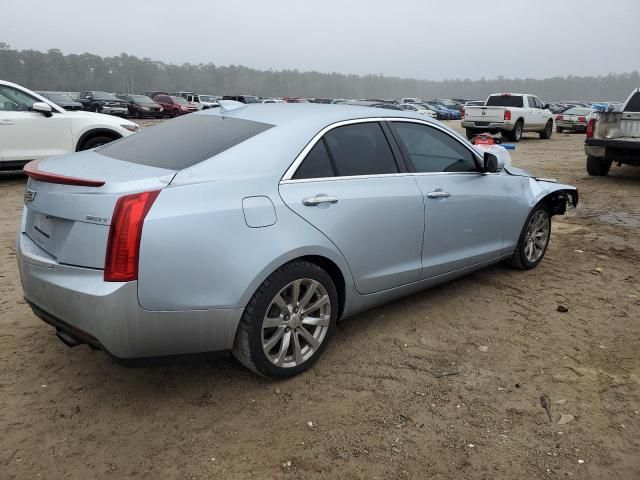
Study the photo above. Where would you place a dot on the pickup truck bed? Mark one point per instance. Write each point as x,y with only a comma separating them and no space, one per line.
614,137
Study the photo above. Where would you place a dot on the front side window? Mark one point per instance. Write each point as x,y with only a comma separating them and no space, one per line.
360,149
12,100
431,150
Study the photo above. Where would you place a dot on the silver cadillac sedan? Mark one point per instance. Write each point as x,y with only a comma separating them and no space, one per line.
255,228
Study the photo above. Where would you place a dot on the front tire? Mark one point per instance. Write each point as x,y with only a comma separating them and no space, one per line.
598,166
548,130
95,142
559,129
534,239
288,321
470,133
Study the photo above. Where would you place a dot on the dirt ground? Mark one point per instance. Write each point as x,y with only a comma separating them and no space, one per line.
376,404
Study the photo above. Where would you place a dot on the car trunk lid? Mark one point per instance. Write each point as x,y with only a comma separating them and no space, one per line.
70,200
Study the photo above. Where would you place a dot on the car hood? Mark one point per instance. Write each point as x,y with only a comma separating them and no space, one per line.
98,118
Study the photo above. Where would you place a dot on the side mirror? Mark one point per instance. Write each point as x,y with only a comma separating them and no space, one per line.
43,108
491,163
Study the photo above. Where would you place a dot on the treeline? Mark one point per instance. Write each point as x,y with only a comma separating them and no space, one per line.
52,70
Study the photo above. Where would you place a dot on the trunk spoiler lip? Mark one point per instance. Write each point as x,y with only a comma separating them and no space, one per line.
31,170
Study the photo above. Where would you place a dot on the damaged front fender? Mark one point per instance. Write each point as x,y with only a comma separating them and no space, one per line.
558,196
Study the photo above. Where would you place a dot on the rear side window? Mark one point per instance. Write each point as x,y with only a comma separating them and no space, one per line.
183,142
360,149
431,150
633,105
505,101
316,164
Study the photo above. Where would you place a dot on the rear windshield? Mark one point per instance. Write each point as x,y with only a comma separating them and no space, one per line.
633,105
183,142
505,101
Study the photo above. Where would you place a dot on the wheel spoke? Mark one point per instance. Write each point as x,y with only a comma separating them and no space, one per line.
311,289
282,305
322,321
272,322
295,292
317,304
310,339
297,351
273,340
284,347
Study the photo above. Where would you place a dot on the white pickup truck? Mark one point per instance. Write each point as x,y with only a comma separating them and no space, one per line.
510,114
614,137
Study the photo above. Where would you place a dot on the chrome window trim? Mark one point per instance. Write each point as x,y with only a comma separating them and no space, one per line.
290,172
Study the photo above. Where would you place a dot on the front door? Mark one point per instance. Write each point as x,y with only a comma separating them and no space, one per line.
465,209
27,135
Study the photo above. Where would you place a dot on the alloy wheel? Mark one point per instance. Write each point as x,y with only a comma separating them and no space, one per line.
536,236
296,323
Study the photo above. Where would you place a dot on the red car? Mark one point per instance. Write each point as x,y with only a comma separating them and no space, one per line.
174,106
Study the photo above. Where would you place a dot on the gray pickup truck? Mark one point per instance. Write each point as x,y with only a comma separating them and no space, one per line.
614,137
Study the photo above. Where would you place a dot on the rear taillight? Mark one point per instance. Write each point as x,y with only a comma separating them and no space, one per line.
123,247
507,114
559,117
591,127
582,119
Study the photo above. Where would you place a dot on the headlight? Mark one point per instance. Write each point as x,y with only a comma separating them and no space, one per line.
144,108
132,127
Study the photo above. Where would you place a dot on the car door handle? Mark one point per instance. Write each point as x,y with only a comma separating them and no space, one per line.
318,199
438,194
6,122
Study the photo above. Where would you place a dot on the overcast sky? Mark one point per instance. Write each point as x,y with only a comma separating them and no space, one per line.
426,39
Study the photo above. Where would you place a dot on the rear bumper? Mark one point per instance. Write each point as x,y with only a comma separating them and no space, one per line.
107,315
477,124
571,125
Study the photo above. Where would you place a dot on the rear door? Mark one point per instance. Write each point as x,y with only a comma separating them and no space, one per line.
465,210
26,135
351,188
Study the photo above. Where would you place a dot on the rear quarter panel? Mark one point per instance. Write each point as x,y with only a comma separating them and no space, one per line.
197,251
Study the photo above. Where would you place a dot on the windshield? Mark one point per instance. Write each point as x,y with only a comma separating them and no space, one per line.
104,96
505,101
141,99
59,97
183,142
578,111
180,100
251,99
208,98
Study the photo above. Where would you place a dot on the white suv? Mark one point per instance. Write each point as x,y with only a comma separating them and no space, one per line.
33,128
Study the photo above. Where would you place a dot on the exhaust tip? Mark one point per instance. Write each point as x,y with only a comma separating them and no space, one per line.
67,339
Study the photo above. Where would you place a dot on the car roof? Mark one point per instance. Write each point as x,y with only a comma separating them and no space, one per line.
311,115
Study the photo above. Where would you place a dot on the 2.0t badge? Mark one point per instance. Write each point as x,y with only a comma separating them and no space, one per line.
29,195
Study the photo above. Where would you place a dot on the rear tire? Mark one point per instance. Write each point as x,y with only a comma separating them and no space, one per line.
548,130
598,166
276,338
516,134
470,133
95,142
531,237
